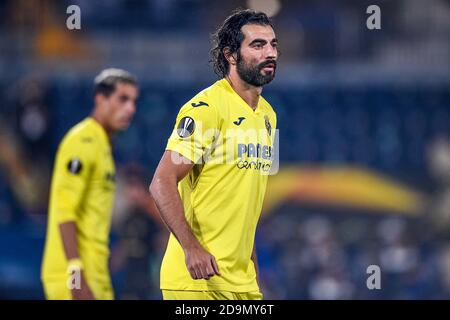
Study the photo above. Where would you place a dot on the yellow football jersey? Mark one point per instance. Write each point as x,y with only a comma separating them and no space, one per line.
232,148
82,190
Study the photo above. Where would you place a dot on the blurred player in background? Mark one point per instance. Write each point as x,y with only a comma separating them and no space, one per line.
75,263
213,214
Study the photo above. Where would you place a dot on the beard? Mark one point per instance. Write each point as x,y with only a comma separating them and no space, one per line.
252,73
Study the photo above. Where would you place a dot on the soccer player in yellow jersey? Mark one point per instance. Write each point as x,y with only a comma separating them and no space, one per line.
210,183
75,262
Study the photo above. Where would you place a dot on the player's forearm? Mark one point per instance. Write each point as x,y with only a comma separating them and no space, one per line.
152,210
69,239
164,191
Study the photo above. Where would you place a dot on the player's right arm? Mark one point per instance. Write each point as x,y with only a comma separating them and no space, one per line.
73,164
184,149
200,263
68,232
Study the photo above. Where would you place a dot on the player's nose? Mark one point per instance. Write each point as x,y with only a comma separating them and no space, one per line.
131,109
271,53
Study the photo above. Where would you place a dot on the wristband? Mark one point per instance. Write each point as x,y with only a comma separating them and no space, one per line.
74,264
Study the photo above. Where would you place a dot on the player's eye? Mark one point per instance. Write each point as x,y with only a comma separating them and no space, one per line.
258,45
124,98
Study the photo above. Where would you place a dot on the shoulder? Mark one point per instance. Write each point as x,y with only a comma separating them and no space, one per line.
82,136
210,96
77,150
202,106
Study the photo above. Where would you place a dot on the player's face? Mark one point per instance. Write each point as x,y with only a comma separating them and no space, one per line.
257,59
122,106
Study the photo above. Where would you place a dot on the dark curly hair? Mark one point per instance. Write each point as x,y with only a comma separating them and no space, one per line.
230,35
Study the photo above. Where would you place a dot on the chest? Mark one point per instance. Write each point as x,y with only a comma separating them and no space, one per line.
249,133
104,172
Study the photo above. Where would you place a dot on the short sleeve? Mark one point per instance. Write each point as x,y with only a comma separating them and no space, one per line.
195,130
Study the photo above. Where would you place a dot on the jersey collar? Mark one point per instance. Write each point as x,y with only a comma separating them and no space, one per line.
229,88
100,130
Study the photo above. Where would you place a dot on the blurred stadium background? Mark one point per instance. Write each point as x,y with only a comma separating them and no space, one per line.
364,119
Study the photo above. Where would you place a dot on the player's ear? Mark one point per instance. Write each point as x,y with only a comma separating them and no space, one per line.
231,57
99,99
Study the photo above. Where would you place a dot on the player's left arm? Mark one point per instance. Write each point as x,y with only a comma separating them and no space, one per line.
74,162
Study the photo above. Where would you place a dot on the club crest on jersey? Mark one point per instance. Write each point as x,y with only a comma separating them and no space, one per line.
186,127
74,166
268,125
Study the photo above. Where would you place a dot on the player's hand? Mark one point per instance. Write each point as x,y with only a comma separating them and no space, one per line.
84,292
200,263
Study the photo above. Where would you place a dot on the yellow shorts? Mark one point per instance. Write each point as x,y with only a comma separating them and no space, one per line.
210,295
58,290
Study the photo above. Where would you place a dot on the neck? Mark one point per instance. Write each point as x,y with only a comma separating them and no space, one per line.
250,94
98,117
